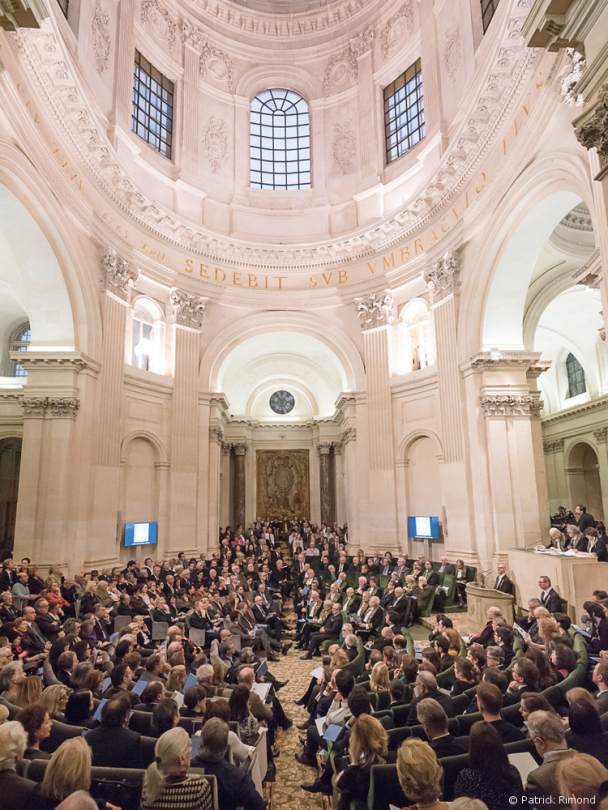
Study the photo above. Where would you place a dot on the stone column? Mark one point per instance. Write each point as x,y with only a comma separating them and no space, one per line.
117,278
601,437
225,493
188,313
209,475
242,110
340,506
442,280
361,48
325,458
50,404
374,310
240,515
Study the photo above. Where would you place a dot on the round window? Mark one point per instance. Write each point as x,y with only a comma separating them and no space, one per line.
282,402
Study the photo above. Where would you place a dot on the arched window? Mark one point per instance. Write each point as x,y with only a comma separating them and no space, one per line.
576,377
279,141
416,342
19,343
147,336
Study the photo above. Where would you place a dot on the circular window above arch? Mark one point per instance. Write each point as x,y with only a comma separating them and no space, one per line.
282,402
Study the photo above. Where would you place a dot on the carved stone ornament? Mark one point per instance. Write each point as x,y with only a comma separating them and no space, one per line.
344,146
553,446
602,333
363,42
217,64
157,16
509,405
349,435
570,77
192,36
240,449
189,309
375,310
395,29
601,435
117,275
324,449
216,434
594,131
441,278
452,50
341,72
100,34
50,407
215,141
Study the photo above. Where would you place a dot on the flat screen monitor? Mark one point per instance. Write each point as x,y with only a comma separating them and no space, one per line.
426,527
141,534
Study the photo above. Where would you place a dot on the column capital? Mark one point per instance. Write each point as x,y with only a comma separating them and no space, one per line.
553,446
49,407
192,36
442,278
117,276
349,435
363,42
240,449
216,435
601,435
505,404
188,309
324,449
591,129
375,310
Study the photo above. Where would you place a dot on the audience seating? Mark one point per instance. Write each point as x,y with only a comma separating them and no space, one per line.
357,665
59,733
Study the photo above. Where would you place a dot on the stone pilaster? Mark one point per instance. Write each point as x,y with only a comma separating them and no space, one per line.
325,478
557,483
375,312
193,41
123,72
346,415
239,496
209,471
600,435
188,312
362,49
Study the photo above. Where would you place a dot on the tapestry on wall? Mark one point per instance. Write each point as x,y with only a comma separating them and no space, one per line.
283,488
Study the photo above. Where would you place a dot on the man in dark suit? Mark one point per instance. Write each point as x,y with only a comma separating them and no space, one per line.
421,595
600,679
351,603
426,685
549,598
503,583
235,787
584,519
102,628
489,703
386,569
399,607
8,576
446,567
33,641
8,612
330,631
487,634
548,734
113,744
434,721
264,616
48,625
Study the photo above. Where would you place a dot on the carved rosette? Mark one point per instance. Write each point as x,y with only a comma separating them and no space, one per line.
324,449
159,20
189,309
553,446
100,34
49,407
570,77
501,405
396,28
217,64
601,435
593,132
345,146
341,72
117,275
375,310
442,278
215,141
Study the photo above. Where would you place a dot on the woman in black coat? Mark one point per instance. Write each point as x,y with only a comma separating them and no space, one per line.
79,709
586,733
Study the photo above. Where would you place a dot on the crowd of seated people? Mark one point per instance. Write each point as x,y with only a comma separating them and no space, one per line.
117,658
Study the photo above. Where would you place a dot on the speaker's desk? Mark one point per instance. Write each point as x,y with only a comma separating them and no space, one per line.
574,578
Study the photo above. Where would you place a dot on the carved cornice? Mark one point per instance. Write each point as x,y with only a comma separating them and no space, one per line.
553,446
22,13
375,310
117,275
601,435
188,309
570,412
49,61
442,278
513,361
501,405
49,407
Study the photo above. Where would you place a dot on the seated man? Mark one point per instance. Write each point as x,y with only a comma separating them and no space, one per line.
421,596
434,721
47,624
371,619
426,686
351,602
265,616
338,714
487,634
330,630
548,735
235,787
490,703
113,744
549,597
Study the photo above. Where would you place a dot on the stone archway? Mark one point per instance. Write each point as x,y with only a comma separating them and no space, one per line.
582,472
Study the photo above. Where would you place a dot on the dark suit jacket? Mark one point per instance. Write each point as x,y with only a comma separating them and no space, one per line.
506,586
235,788
351,606
432,578
601,550
333,625
508,732
485,637
582,544
586,521
261,614
599,638
449,746
8,614
15,791
449,569
552,600
444,700
199,622
48,626
115,747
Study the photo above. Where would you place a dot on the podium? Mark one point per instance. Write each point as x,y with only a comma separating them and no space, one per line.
479,600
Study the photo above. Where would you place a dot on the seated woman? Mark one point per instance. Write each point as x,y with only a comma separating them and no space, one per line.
37,723
461,573
379,680
563,659
79,709
54,699
420,774
368,746
166,781
221,708
194,702
586,733
546,674
533,702
489,775
240,712
466,677
15,791
452,636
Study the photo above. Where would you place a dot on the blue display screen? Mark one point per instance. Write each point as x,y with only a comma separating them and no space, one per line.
141,534
423,527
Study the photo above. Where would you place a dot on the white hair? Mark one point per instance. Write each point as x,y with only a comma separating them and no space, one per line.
13,742
171,746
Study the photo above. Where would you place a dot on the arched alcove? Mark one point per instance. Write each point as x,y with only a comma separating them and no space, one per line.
582,471
424,496
10,465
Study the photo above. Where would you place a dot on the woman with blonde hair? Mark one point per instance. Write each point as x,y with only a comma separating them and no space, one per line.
368,746
379,681
339,659
579,779
28,691
454,641
420,774
176,679
54,699
69,770
166,781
